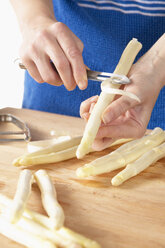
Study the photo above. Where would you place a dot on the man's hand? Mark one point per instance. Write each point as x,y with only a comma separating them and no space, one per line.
55,42
46,40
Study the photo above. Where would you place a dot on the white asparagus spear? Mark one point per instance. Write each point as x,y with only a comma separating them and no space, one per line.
21,195
52,235
34,146
49,199
54,157
64,232
104,99
50,149
31,226
47,158
139,165
76,237
20,236
121,157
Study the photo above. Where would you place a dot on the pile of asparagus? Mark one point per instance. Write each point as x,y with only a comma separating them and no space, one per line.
43,152
35,230
136,155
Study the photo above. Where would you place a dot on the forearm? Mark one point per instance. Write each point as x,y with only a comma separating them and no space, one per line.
157,53
30,13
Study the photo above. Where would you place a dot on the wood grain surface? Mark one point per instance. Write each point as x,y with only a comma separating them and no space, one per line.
129,216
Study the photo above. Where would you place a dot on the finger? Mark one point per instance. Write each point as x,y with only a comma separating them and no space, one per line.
85,116
101,144
46,70
74,55
85,105
92,107
33,71
131,129
117,108
61,63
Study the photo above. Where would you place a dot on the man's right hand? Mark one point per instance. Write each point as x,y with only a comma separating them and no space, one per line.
54,41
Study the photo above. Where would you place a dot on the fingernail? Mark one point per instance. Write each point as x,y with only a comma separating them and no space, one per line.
87,67
85,116
91,107
107,118
82,85
93,99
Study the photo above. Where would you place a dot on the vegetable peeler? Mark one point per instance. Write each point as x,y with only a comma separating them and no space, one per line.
96,75
24,131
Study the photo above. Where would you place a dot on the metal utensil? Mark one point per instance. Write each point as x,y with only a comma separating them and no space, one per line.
94,75
24,130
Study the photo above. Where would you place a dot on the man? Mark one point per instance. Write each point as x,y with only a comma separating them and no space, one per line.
73,34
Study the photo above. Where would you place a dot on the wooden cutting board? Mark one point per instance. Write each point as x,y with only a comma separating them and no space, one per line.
129,216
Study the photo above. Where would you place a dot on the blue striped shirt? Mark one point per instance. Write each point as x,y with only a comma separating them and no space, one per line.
105,27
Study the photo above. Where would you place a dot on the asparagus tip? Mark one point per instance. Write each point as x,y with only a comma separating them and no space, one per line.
80,172
79,155
117,180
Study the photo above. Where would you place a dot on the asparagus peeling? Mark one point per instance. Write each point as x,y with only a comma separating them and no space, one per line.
105,99
121,157
139,165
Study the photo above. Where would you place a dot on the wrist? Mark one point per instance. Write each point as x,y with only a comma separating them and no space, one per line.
36,23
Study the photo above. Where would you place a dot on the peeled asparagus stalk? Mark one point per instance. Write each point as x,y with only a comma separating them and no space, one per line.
64,233
105,99
62,146
31,226
54,157
21,195
139,165
41,219
76,237
121,157
20,236
47,158
52,235
49,199
34,146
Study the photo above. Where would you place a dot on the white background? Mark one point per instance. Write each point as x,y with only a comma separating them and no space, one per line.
11,77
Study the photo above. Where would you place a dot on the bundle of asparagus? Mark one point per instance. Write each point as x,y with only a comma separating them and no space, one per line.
137,155
62,150
32,229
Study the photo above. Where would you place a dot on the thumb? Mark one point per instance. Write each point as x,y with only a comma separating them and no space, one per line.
117,108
